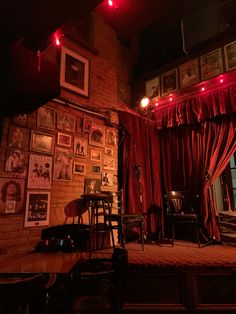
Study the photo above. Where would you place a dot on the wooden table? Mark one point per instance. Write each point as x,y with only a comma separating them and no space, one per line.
45,263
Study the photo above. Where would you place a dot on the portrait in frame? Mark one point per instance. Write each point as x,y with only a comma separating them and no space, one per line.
79,168
80,147
92,186
107,179
152,87
64,139
96,169
109,163
110,137
46,118
62,169
74,74
37,209
108,151
87,125
211,64
12,195
169,82
17,136
40,172
16,162
41,142
96,137
96,155
65,122
20,119
189,73
230,56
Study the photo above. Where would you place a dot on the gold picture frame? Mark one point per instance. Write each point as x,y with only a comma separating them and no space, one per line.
211,64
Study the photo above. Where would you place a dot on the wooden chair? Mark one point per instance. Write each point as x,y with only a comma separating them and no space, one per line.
123,222
74,210
22,295
182,208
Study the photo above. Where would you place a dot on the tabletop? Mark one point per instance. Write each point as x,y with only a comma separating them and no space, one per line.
46,263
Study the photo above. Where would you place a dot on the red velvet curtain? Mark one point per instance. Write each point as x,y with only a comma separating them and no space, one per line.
140,148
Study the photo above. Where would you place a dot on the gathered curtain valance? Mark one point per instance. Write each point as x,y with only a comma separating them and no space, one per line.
201,107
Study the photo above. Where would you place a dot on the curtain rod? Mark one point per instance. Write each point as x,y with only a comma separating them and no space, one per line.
79,107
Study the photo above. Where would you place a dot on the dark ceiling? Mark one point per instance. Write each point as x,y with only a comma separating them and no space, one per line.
157,23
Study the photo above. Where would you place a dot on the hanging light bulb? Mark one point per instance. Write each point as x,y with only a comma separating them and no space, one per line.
144,102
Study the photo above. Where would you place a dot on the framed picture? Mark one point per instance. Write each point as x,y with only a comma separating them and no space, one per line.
92,186
65,122
87,125
37,209
96,169
12,195
96,137
230,56
153,87
41,142
20,119
79,125
17,137
46,118
107,179
40,172
74,74
169,82
211,64
96,155
64,139
62,169
80,147
108,151
109,163
79,168
189,73
16,162
110,137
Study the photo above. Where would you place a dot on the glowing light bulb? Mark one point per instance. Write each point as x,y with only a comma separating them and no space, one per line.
110,3
144,102
170,98
203,88
57,41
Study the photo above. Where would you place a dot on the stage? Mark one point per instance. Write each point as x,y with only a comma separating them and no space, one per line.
180,279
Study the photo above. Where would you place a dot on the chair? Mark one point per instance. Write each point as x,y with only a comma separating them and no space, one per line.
124,222
181,208
23,295
101,284
75,209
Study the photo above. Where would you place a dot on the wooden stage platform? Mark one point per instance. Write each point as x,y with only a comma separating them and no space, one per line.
181,279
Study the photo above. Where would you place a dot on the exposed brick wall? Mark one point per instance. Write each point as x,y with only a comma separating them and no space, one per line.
110,75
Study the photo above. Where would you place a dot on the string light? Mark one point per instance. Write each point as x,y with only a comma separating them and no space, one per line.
144,102
110,3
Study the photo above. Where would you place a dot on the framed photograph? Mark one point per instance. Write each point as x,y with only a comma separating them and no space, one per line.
96,169
40,172
92,186
74,74
96,137
16,162
79,125
87,125
169,82
153,87
20,119
107,179
189,73
37,209
108,151
17,137
41,142
62,169
96,155
230,56
65,122
80,147
110,137
46,118
79,168
12,195
211,64
64,139
109,163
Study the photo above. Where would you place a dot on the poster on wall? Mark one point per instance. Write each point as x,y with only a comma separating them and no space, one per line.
62,164
16,162
37,209
40,172
12,195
